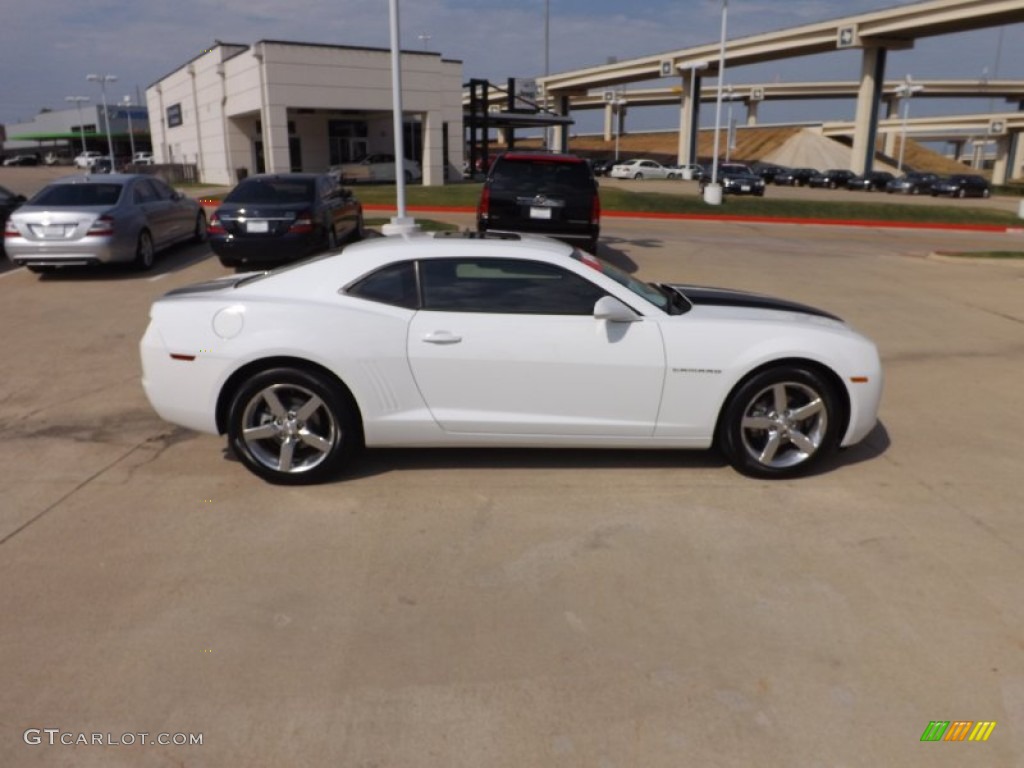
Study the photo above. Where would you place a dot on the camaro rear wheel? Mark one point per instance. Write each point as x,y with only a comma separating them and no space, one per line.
292,427
780,422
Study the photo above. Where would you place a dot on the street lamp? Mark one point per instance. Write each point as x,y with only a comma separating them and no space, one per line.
713,191
425,39
400,224
905,91
103,80
81,123
127,101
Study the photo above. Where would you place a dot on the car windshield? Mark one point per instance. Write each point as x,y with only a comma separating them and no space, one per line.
540,175
78,195
648,292
272,191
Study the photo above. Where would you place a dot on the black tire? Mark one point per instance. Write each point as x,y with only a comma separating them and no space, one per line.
332,239
145,254
283,407
40,270
672,177
761,431
638,177
229,263
199,233
360,231
408,177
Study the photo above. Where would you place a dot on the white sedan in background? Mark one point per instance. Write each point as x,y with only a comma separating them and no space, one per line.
644,169
513,341
376,168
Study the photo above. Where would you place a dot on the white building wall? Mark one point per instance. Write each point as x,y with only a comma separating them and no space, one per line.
227,92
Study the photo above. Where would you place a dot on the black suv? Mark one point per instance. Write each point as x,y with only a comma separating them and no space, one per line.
541,194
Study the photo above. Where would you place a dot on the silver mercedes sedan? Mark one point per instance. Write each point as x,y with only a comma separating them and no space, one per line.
86,220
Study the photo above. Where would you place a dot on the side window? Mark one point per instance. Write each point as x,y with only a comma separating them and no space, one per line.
143,193
505,286
394,284
161,190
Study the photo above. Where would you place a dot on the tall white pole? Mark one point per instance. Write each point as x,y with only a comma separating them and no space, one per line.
712,193
400,224
103,80
131,132
547,68
81,127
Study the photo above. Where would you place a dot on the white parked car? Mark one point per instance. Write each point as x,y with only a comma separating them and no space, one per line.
376,168
644,169
513,341
142,158
88,159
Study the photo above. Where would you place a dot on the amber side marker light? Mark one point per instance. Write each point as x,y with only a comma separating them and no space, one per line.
186,358
859,379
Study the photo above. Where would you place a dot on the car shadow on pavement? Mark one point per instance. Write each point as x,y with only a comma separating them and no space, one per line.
174,259
382,461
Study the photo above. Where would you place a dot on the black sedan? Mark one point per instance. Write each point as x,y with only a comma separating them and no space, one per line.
8,202
277,218
767,171
870,182
795,177
736,179
912,183
961,185
831,179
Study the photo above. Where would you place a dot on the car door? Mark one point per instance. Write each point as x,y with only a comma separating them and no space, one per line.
511,347
155,212
181,215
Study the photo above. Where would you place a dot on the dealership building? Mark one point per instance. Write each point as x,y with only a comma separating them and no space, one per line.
66,132
278,107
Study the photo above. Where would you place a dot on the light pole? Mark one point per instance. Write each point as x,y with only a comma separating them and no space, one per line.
81,126
713,191
400,224
127,101
905,91
425,39
103,80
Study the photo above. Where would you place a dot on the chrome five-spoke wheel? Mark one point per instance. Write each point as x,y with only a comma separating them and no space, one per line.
780,422
291,426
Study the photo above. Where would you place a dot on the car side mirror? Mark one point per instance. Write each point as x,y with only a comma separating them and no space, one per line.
611,309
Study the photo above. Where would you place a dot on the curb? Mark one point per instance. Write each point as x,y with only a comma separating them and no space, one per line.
997,228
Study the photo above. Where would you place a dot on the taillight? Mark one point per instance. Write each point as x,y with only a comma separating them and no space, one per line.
10,230
103,226
483,208
595,213
215,227
303,224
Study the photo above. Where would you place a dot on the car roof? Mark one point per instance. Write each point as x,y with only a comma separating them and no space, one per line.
99,178
283,177
549,156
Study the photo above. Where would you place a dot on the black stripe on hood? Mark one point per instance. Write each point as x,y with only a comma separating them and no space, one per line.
724,297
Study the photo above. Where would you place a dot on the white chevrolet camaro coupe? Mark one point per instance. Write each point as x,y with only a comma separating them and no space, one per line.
507,341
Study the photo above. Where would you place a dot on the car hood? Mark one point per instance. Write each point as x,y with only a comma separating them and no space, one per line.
701,296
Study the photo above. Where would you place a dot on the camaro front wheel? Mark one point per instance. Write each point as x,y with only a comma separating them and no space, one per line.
780,422
292,427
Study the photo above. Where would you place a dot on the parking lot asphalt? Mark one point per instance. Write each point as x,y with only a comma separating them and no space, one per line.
525,608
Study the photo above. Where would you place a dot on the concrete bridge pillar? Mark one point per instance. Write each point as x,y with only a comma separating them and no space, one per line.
872,79
689,117
752,111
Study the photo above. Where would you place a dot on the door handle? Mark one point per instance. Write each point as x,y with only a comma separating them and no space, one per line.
442,337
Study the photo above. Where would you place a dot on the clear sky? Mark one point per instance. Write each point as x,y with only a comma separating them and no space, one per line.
50,45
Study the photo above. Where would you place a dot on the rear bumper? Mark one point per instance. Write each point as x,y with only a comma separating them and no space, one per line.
95,250
266,250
